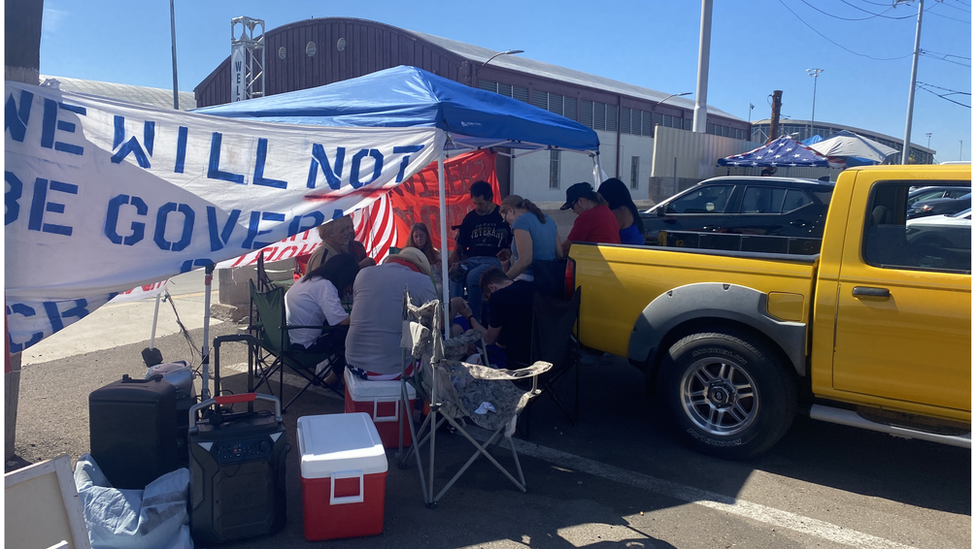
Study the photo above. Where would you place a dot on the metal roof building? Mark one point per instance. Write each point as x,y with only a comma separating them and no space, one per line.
315,52
124,92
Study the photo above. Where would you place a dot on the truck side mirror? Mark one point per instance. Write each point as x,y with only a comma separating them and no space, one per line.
661,211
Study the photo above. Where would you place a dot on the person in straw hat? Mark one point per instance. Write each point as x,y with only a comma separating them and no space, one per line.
373,341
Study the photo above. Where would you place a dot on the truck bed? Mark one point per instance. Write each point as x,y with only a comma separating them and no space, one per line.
609,271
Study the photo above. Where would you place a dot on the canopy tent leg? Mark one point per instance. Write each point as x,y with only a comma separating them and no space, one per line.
207,279
445,286
597,171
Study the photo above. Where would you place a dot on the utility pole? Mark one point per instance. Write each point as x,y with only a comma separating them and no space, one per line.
774,117
701,92
907,147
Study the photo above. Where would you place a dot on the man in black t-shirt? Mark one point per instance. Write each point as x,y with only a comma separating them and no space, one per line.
510,303
483,240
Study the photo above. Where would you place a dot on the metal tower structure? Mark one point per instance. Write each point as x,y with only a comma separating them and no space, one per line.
247,58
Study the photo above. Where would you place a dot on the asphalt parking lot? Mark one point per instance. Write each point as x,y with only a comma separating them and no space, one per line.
617,478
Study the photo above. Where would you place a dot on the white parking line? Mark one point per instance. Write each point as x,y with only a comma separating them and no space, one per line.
712,500
719,502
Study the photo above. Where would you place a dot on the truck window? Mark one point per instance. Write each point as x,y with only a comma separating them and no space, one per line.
933,243
795,199
708,199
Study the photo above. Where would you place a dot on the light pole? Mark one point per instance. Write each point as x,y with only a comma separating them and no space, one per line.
506,52
960,149
815,73
172,30
928,142
751,106
654,107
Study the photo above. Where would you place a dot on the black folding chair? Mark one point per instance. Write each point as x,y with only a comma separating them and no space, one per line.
553,323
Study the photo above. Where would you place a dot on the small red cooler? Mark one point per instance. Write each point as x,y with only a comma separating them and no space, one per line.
381,400
343,476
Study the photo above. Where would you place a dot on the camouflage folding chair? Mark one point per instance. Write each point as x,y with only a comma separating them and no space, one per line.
458,393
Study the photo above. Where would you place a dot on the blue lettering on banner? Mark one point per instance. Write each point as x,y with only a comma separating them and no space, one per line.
336,214
162,216
55,316
11,197
181,149
50,123
41,205
253,232
16,118
24,311
406,159
259,178
189,264
213,171
319,158
132,145
218,241
296,225
357,160
112,220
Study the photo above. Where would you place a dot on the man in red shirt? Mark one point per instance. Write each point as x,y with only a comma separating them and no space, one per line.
596,223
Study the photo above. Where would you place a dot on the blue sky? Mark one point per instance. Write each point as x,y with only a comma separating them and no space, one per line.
757,47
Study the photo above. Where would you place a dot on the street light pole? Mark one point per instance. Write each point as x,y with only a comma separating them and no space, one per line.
654,107
506,52
172,30
960,149
751,106
815,73
928,142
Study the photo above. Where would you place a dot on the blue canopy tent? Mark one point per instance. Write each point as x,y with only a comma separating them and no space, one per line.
410,97
782,152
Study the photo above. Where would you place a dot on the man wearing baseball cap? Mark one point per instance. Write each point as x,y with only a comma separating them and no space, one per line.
595,221
373,341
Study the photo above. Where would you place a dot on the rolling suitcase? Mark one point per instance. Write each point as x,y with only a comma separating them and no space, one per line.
132,430
237,471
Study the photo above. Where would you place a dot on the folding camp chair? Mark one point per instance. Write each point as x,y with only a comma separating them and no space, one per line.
273,353
553,323
458,392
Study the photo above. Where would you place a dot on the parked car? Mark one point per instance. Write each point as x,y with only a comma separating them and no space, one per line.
949,233
933,192
938,206
784,206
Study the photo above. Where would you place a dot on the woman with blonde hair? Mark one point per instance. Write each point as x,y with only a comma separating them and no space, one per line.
419,238
535,236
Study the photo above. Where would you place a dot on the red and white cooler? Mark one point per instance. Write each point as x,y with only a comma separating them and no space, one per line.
381,400
343,476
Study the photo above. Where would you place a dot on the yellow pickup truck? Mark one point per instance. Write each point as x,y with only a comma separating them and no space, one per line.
873,332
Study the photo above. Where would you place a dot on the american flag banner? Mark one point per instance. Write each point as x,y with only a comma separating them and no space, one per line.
782,152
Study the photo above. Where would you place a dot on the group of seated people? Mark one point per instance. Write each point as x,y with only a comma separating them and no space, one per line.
498,248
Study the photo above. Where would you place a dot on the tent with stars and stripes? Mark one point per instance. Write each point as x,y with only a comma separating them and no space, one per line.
782,152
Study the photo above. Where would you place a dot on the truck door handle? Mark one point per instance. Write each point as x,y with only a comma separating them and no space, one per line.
868,291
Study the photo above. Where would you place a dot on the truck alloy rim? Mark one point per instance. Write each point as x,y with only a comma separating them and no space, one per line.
719,397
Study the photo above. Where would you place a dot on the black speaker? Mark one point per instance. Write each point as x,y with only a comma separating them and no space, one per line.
132,430
237,472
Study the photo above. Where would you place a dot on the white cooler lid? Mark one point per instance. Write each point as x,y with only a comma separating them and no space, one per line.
335,443
363,389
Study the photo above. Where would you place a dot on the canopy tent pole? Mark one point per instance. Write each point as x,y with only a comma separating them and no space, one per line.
597,171
445,286
207,279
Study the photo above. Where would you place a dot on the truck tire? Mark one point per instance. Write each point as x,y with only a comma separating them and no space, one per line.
727,397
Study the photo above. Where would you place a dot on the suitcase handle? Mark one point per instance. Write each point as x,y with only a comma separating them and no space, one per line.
230,399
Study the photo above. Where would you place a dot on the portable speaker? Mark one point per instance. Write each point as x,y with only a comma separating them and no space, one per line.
237,472
132,430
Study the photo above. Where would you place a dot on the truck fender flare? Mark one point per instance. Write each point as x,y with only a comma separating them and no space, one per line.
715,300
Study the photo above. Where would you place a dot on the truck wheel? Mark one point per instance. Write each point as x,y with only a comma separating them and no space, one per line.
727,397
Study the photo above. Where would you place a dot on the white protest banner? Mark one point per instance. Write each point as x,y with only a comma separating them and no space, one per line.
289,248
102,196
141,292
